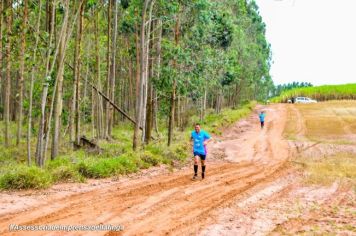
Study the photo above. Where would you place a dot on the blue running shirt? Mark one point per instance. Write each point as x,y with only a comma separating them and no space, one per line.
262,117
198,140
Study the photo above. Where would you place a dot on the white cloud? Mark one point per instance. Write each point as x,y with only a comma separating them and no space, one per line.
312,40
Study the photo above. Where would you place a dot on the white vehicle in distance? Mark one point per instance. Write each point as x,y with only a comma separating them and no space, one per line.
304,100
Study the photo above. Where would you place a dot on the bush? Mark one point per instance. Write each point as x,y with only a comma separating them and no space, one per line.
58,162
66,174
106,167
24,177
151,158
129,164
63,170
177,153
100,168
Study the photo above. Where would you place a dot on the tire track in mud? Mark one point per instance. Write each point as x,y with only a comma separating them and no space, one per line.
300,123
96,202
169,204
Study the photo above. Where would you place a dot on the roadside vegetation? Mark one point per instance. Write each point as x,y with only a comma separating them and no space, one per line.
324,134
289,86
332,126
115,159
92,89
327,170
320,93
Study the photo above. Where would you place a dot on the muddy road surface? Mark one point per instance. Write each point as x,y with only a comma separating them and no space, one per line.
171,203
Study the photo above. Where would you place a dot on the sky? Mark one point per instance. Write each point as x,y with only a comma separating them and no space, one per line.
311,40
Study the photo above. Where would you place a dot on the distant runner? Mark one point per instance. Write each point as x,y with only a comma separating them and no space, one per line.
262,119
200,139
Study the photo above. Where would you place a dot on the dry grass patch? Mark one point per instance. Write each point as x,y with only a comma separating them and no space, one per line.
324,171
351,121
290,130
327,127
332,121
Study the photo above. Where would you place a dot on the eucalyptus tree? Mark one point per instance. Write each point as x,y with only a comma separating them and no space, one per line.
154,60
7,8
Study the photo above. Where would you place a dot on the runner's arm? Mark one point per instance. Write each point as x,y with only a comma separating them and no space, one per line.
207,139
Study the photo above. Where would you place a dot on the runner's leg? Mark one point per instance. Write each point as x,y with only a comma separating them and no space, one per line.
202,168
196,158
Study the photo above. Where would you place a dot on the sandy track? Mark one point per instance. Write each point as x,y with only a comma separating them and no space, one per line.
173,203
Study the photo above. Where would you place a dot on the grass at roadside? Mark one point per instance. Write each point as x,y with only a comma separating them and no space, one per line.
116,159
291,128
326,170
329,122
326,123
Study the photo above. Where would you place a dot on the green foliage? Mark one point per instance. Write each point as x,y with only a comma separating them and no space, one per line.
63,170
284,87
219,49
100,168
320,93
24,177
151,159
214,122
66,174
116,159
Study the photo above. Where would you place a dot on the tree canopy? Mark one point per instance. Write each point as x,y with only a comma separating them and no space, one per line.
67,66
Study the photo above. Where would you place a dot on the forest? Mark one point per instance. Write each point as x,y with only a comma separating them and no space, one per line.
81,68
289,86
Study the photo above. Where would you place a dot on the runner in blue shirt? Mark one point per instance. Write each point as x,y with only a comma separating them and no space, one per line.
200,139
262,119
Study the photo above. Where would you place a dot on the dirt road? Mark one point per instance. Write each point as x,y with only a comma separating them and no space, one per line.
173,203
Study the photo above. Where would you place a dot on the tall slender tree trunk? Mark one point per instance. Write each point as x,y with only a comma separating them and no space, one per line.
108,61
149,111
149,116
58,92
93,113
8,18
157,70
99,102
155,111
78,97
178,112
29,128
1,52
41,130
75,109
171,113
58,85
113,68
131,79
137,40
142,76
22,72
58,103
174,88
204,103
67,32
147,65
